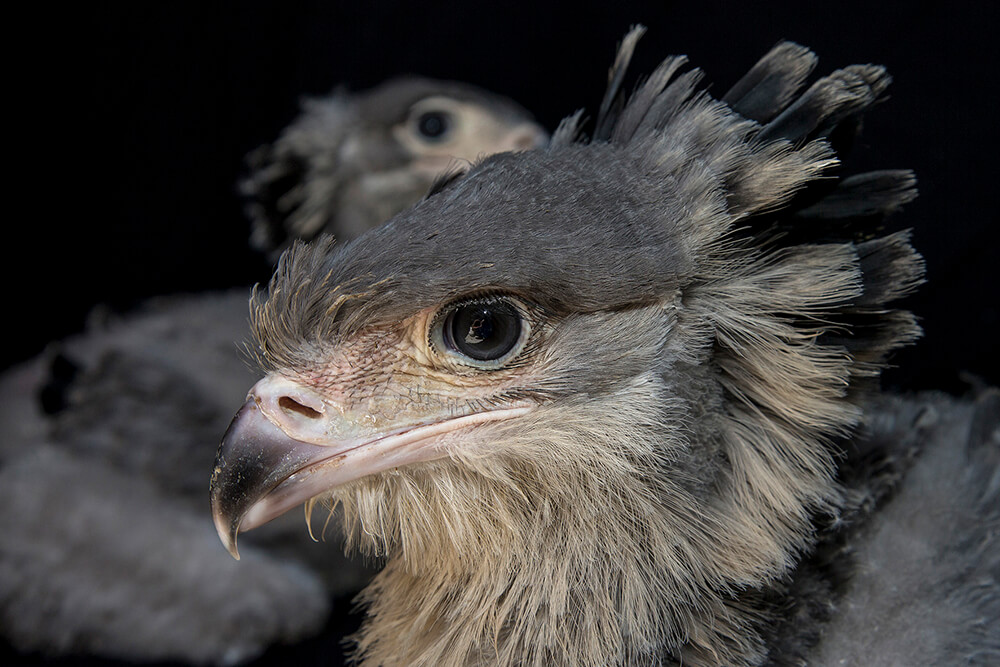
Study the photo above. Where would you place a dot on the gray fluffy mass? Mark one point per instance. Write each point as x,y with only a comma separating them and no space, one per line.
106,549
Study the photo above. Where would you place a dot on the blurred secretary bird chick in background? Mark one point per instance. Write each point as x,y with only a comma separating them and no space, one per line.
612,402
351,161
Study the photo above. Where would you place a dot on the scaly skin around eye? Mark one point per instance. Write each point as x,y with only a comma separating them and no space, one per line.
395,374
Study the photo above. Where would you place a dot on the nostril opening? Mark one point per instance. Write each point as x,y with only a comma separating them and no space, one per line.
289,404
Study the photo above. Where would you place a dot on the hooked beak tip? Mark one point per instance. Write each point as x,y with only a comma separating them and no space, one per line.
227,534
227,528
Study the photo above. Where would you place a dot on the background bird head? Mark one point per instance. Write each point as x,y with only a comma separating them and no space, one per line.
583,398
349,162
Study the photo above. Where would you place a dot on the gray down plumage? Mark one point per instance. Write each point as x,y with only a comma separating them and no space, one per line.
106,549
925,568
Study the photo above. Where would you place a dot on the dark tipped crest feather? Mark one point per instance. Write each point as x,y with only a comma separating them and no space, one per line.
613,100
772,83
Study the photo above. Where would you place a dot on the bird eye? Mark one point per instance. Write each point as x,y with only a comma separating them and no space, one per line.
486,332
434,125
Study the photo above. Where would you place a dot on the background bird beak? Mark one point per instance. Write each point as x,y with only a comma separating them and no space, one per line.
525,137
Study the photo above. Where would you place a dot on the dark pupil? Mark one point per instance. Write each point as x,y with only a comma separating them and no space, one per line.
484,332
433,124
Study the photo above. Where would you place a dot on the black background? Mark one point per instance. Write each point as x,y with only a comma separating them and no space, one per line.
140,114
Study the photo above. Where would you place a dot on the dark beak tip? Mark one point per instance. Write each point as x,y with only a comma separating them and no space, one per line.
226,514
231,547
228,530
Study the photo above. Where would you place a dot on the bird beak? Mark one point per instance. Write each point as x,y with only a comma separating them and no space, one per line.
286,445
524,137
255,457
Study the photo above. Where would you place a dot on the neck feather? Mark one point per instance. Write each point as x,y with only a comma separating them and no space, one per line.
593,545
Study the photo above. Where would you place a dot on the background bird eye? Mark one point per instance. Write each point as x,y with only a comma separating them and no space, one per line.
434,125
483,330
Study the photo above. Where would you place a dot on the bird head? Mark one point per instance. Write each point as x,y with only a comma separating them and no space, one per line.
584,399
350,161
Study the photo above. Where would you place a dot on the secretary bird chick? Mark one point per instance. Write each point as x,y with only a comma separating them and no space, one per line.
593,403
349,162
